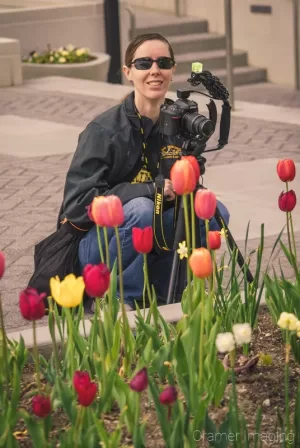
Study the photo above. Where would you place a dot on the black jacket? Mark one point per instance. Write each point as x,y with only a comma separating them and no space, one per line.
108,157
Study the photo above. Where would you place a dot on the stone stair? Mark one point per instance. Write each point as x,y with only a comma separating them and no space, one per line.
192,42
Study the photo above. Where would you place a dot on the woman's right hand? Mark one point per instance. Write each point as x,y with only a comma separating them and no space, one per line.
169,191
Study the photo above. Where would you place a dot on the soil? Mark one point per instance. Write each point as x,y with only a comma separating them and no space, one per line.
261,385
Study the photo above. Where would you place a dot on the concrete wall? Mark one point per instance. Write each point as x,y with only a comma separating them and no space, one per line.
268,38
80,23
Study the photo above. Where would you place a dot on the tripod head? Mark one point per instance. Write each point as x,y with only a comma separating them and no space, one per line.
181,117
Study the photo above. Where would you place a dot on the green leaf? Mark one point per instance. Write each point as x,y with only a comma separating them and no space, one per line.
257,441
36,431
161,412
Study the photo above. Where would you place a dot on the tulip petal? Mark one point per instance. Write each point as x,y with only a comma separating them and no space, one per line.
55,287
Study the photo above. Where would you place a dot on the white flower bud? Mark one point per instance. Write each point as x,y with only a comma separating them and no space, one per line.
225,342
242,333
287,321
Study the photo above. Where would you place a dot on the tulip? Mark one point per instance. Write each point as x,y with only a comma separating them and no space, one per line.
225,342
205,204
80,379
214,239
287,201
140,381
168,396
32,305
89,212
107,211
195,165
142,239
183,177
41,406
68,292
201,263
2,264
242,333
286,170
86,393
96,279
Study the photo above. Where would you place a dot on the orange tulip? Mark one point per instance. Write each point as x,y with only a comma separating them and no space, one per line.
183,177
286,170
107,211
214,239
195,165
201,263
205,204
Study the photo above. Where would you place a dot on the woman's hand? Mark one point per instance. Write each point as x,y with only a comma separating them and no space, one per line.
168,190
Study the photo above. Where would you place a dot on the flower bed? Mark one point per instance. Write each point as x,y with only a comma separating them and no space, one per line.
224,375
66,61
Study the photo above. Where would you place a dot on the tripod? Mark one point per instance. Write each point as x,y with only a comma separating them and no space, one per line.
178,271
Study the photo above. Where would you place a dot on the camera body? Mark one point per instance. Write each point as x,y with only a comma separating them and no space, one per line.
182,117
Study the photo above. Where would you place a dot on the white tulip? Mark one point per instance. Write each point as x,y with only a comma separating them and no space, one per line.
225,342
242,333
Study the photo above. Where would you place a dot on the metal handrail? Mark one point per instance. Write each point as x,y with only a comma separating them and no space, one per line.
132,21
296,43
229,50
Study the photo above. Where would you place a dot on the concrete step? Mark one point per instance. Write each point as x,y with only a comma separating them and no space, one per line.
197,42
211,60
241,75
174,28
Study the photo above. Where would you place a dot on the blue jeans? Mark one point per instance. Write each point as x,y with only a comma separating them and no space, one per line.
138,213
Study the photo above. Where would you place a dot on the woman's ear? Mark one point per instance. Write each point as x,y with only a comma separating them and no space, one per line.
127,72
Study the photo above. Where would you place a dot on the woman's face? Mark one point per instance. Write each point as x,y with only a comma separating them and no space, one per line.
153,83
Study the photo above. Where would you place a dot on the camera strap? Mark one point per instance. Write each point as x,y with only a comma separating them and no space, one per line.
160,243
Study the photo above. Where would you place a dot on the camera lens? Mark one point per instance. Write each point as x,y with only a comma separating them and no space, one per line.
198,124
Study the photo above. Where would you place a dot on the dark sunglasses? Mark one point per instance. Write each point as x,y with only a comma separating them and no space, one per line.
164,63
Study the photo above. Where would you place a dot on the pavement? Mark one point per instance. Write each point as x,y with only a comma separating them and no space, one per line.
39,126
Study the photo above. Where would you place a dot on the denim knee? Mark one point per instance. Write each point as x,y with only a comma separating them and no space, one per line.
139,212
224,212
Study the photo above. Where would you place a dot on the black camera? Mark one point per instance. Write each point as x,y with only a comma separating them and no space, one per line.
182,117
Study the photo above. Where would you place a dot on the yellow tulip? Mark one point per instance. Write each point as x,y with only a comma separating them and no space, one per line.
67,293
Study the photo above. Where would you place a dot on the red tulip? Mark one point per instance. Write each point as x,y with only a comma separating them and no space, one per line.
287,201
168,396
2,264
201,263
107,211
96,279
142,239
214,239
41,406
32,305
80,379
85,388
205,204
89,212
286,170
195,165
140,381
183,177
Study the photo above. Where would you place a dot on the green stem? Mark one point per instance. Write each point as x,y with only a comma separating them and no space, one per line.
79,420
201,349
36,357
103,386
99,244
286,382
188,241
106,247
56,359
5,351
121,289
210,279
294,241
193,230
70,342
136,417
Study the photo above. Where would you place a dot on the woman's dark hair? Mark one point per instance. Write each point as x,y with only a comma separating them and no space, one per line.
139,40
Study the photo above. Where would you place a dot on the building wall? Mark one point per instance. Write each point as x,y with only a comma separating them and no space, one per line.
268,38
80,23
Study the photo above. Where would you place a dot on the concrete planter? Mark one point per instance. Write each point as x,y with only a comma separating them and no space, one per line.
95,70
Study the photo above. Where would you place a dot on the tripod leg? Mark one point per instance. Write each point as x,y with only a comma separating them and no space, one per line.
177,279
233,244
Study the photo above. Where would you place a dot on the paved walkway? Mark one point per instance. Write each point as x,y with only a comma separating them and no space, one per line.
32,181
